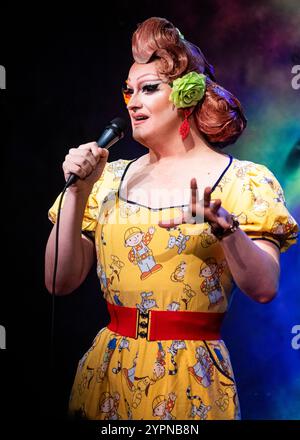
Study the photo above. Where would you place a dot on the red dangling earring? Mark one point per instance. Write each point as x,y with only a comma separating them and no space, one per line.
184,128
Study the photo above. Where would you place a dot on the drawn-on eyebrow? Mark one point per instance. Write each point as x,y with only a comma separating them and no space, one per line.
147,74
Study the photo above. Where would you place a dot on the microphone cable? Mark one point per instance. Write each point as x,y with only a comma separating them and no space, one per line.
111,134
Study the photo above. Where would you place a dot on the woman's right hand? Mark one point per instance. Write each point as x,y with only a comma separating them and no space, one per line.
87,162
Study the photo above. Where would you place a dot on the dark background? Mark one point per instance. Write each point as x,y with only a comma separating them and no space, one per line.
64,76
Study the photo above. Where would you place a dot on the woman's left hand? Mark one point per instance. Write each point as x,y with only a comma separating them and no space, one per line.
212,212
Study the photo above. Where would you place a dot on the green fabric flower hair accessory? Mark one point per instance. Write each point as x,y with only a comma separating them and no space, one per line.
188,90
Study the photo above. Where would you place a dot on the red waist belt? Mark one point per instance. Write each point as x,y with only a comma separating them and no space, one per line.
164,325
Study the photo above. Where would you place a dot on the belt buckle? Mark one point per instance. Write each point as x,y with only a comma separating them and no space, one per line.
143,324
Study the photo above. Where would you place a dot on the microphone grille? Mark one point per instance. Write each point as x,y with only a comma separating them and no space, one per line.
119,123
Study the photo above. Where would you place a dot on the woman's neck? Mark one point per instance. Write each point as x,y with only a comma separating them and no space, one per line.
193,147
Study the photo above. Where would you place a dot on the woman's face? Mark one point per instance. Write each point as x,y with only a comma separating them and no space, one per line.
153,116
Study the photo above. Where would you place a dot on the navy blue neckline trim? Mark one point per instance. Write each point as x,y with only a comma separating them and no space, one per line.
167,207
221,176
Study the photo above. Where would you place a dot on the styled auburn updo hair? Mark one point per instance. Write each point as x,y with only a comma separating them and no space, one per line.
219,115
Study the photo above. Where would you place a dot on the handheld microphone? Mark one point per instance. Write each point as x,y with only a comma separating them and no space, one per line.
111,134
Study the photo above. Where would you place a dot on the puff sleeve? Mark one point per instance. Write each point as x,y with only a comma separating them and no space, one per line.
93,206
261,207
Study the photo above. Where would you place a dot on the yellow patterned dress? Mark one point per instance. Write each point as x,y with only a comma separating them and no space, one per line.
144,266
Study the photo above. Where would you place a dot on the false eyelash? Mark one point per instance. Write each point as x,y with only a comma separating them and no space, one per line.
126,90
150,87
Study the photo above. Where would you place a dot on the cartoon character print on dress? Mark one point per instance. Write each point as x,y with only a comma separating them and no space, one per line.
162,406
179,272
225,395
86,379
116,266
211,271
109,200
178,277
102,277
116,297
199,410
202,370
187,294
142,386
173,350
140,253
276,188
117,369
241,173
147,303
241,168
129,373
101,371
102,238
123,344
207,238
280,229
247,187
107,207
105,215
174,306
179,241
127,209
108,405
223,182
221,360
117,168
159,365
260,206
